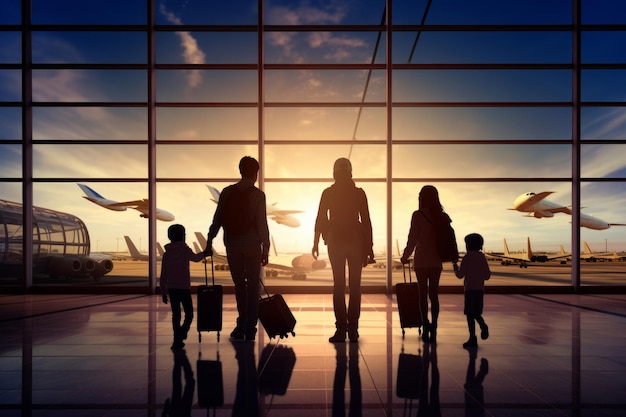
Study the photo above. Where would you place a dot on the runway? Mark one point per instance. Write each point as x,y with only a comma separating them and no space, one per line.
135,273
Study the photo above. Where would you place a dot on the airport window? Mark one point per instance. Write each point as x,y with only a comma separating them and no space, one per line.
496,104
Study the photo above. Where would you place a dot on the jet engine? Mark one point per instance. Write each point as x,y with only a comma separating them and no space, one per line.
307,261
540,214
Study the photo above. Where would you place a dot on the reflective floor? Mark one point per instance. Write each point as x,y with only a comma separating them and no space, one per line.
109,355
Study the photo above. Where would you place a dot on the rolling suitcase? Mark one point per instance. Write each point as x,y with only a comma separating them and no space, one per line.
409,380
275,368
408,298
210,382
275,315
210,299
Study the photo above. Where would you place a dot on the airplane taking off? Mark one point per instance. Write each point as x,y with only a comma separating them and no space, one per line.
300,264
524,258
279,216
139,205
537,206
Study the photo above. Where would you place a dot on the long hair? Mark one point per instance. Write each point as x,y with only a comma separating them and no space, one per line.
429,201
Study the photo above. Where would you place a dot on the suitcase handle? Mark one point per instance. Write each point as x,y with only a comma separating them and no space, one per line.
206,275
404,272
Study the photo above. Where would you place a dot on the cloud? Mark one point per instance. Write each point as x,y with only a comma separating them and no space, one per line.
192,53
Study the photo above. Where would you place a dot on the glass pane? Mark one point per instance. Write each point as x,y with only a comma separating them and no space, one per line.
481,161
89,85
11,51
90,123
603,161
202,161
90,48
10,161
207,86
11,234
603,85
482,123
603,12
603,249
325,47
290,260
481,85
10,85
325,123
320,12
79,242
88,13
487,209
233,12
481,47
324,86
206,47
90,161
603,123
450,12
10,123
210,123
316,161
605,47
11,12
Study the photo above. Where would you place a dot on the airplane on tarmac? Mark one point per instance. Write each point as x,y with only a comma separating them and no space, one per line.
523,259
279,216
591,256
139,205
300,264
134,252
536,205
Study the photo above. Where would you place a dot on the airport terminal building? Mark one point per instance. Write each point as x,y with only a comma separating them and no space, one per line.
155,106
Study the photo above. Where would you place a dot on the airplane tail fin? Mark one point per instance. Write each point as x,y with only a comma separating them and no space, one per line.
506,248
134,252
274,246
586,248
89,192
201,239
530,251
215,193
159,248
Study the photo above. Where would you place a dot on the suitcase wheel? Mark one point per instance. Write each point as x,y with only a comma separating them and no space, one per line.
293,334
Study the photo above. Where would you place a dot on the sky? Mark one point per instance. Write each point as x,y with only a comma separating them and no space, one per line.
476,206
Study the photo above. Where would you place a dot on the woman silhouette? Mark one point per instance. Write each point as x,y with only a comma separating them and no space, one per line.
422,239
343,220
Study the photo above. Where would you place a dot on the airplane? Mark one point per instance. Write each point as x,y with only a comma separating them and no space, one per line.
527,257
300,264
279,216
537,206
139,205
134,252
591,256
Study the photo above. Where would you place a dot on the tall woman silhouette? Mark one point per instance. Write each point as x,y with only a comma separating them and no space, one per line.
422,239
343,220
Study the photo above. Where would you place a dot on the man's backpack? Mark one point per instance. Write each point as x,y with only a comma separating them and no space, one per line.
237,218
446,241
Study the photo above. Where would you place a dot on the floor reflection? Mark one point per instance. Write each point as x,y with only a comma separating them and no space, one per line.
109,355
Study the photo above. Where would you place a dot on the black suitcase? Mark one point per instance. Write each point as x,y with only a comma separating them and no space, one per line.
275,368
407,296
210,382
275,315
210,300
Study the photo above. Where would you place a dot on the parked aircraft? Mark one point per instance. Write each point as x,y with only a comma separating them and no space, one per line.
274,213
134,252
300,264
527,257
591,256
536,205
139,205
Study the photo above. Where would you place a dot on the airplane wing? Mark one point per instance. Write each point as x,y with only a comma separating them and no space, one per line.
136,204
